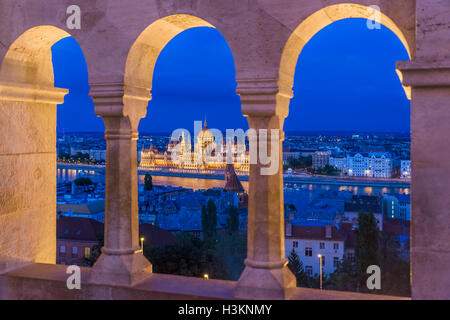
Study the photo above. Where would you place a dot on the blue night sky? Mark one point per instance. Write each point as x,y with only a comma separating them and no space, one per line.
345,80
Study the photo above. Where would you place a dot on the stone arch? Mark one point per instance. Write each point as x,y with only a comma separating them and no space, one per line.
317,21
29,58
142,57
28,102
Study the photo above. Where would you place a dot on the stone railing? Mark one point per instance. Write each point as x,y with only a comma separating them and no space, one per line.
49,281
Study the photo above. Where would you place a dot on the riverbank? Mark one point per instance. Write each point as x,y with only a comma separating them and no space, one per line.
290,179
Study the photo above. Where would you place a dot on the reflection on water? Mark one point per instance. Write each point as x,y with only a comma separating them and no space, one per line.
189,183
66,175
200,184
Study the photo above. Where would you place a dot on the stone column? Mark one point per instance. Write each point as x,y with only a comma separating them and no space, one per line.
430,169
121,261
27,173
266,275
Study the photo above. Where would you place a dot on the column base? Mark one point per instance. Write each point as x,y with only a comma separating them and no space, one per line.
265,281
120,267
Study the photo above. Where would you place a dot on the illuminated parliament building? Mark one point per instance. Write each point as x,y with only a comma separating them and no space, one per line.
206,158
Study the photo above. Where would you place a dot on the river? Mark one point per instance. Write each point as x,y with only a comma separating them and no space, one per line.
198,183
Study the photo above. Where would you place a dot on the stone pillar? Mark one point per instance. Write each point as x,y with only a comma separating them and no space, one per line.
121,261
266,275
430,169
28,174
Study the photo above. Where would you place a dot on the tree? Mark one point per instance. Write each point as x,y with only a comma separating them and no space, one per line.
83,181
209,220
233,220
296,266
148,182
366,251
96,251
191,257
346,276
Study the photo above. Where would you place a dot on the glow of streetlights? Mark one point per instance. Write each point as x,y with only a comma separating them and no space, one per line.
206,276
142,244
320,265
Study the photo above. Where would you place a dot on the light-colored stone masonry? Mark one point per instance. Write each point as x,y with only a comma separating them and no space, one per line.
121,41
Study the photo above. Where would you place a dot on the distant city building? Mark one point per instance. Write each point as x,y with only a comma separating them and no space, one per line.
320,159
373,164
288,154
86,209
309,241
202,160
340,162
75,238
397,206
232,184
97,154
405,169
364,204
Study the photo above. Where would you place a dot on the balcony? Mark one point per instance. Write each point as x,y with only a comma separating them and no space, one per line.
48,281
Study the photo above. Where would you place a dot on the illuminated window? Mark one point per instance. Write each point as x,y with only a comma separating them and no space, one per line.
322,245
87,252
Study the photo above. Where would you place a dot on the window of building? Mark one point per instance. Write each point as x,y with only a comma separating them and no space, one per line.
87,252
308,270
308,252
335,261
295,244
322,245
351,256
336,246
62,249
74,251
323,261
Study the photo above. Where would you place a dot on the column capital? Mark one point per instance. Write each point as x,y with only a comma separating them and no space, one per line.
107,98
422,74
263,97
118,100
15,91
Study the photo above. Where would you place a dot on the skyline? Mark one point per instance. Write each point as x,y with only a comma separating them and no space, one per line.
204,76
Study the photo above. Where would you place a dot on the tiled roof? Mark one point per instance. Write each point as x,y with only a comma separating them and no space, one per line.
395,226
347,230
155,236
364,204
85,229
315,233
85,208
232,180
74,228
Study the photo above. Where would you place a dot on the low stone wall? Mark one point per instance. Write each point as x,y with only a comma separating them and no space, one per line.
48,282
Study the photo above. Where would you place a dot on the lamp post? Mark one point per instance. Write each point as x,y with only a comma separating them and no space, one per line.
320,264
142,244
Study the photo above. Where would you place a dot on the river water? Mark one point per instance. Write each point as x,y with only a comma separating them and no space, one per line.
198,184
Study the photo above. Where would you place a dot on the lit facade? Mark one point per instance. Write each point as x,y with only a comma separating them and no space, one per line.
206,157
405,169
320,159
375,165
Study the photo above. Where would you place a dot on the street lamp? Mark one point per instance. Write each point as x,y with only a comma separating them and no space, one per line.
142,244
206,276
320,264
